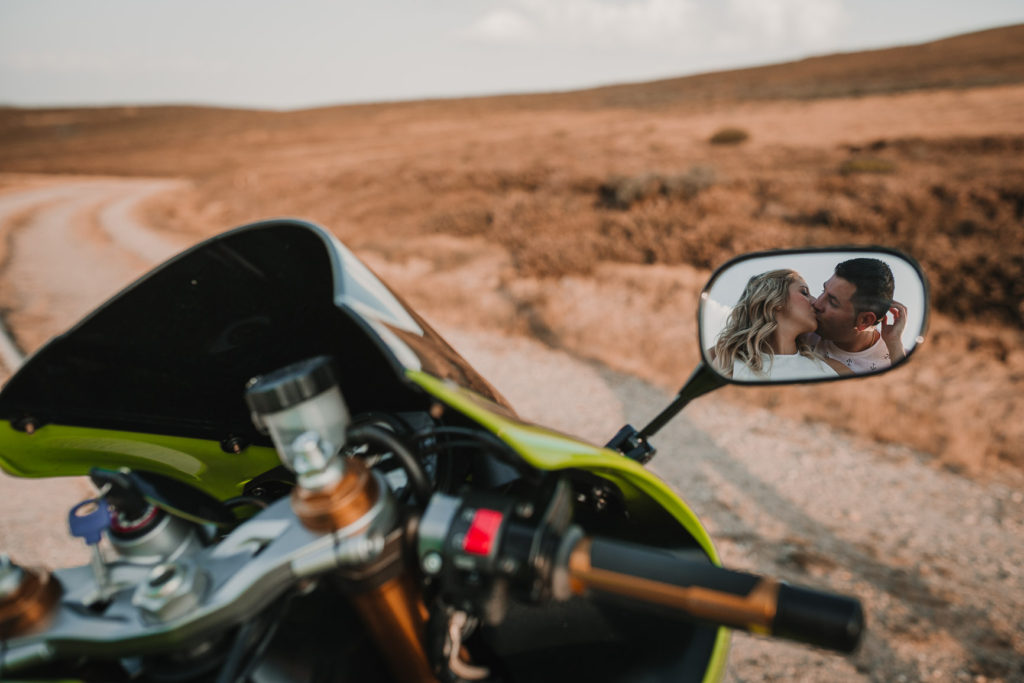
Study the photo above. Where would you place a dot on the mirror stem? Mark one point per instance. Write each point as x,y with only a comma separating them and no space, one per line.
701,382
635,445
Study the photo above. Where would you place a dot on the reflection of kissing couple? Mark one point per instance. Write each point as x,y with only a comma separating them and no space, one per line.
777,330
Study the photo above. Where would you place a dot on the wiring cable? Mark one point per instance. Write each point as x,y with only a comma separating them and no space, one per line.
418,478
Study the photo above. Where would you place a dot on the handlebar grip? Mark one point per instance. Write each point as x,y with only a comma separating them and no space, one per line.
722,596
827,620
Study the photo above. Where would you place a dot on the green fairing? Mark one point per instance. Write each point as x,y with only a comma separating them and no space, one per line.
57,450
61,451
549,450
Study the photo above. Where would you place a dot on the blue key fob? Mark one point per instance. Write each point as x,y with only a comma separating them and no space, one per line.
89,519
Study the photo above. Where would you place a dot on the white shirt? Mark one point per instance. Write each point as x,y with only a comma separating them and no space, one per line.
783,367
875,357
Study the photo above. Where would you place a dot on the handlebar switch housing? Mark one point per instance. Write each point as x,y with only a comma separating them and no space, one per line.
481,548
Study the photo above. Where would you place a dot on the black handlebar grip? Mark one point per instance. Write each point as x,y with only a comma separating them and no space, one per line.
827,620
692,585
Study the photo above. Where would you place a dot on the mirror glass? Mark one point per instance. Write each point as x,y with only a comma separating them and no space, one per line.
806,315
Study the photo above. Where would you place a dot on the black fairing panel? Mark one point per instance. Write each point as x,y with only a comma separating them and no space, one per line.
171,354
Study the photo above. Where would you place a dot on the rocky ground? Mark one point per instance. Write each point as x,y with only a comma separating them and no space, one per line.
935,556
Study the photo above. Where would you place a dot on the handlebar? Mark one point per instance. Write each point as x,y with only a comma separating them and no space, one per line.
722,596
482,535
477,550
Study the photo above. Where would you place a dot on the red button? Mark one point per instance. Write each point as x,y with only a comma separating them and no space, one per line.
482,532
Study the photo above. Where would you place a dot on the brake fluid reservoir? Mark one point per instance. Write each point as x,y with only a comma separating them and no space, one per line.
302,408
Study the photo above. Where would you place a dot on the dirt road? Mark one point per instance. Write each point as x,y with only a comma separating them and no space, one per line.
936,558
67,246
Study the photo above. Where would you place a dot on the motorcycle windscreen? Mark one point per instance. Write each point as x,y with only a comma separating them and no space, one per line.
172,353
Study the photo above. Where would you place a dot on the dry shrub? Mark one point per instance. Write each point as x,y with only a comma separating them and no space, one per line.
967,235
866,164
623,192
660,237
959,145
689,184
552,223
652,308
960,398
545,236
528,177
729,136
956,398
949,401
463,222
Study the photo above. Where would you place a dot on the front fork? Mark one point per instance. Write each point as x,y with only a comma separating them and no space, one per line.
383,590
475,551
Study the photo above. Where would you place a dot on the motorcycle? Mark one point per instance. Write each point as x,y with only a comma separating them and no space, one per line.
298,479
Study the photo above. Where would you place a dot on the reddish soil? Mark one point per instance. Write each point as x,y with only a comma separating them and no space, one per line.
934,556
591,219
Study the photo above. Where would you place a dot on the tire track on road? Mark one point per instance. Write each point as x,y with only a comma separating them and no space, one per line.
51,245
50,276
826,509
17,209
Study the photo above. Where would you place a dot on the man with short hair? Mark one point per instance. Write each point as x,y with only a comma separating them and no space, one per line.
856,299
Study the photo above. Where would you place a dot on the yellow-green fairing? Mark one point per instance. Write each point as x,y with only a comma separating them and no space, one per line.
58,450
548,450
62,451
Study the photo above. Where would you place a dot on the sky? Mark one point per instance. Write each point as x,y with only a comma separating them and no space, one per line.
304,53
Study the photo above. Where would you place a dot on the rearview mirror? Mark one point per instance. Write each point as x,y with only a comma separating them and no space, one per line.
807,315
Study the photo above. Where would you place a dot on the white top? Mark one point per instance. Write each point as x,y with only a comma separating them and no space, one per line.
783,367
875,357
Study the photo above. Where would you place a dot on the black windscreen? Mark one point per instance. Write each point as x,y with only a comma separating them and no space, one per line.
172,353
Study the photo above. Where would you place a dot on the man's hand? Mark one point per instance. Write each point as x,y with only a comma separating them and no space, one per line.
892,334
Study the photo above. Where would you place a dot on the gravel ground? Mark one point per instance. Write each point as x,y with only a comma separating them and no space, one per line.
936,558
58,262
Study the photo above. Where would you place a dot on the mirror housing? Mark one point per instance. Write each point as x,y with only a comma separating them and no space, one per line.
805,315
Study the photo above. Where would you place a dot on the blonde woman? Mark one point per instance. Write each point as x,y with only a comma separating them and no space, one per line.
762,339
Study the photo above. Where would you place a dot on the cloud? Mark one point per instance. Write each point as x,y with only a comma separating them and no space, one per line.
585,22
621,22
503,26
807,23
715,315
664,25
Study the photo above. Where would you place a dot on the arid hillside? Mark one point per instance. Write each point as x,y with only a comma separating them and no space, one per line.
591,219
